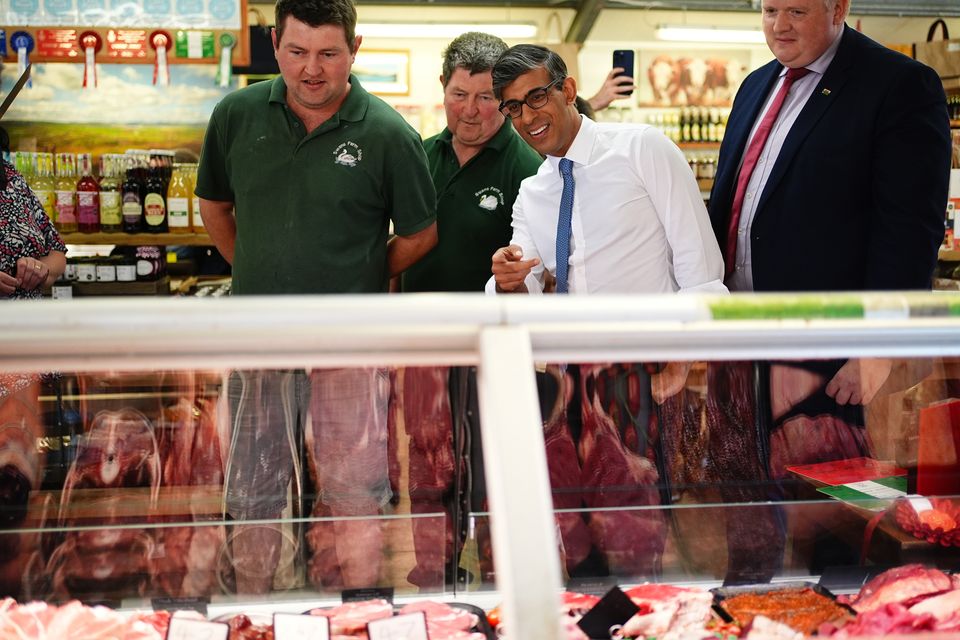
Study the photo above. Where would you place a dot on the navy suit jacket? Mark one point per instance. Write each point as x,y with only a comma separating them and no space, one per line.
857,196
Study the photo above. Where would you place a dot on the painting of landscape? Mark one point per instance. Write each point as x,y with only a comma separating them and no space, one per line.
125,111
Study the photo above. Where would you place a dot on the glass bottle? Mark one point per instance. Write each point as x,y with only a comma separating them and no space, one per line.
197,219
111,216
44,186
132,205
66,192
154,203
178,201
88,196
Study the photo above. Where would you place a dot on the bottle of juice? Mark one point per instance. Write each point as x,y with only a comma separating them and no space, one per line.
111,216
66,190
88,196
131,205
178,201
154,203
198,226
44,185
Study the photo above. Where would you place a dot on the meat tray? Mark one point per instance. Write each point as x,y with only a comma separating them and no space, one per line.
722,594
482,626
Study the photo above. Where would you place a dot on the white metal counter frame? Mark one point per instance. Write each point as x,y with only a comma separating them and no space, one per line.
503,335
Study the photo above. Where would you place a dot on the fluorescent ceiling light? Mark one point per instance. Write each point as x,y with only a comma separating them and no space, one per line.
710,34
444,30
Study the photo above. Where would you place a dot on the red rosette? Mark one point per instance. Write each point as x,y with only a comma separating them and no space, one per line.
941,528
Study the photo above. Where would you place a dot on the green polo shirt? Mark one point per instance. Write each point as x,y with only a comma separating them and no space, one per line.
474,209
313,210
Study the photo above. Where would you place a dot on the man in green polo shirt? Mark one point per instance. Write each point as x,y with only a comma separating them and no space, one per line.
299,181
477,163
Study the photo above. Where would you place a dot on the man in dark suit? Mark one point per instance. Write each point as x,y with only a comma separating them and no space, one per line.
832,176
850,189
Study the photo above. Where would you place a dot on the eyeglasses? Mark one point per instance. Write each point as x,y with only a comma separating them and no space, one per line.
535,99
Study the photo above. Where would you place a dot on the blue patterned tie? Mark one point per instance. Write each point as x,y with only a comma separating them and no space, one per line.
563,224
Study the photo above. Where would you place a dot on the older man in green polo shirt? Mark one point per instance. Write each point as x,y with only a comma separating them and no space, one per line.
477,163
299,181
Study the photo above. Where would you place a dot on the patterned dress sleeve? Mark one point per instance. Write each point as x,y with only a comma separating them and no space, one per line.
52,239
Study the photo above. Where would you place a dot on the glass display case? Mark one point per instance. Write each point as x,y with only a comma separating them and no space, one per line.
277,454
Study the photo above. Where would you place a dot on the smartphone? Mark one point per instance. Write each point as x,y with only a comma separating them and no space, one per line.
624,58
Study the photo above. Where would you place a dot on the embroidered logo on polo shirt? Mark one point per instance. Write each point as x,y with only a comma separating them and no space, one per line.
489,198
348,154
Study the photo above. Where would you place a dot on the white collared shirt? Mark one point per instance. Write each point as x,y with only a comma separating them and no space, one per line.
639,224
742,277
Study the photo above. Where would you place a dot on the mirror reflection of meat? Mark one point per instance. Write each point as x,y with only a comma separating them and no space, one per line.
188,563
564,469
424,403
119,450
19,474
631,540
107,572
347,443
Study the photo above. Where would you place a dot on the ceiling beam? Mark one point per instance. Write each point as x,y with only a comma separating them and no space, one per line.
587,13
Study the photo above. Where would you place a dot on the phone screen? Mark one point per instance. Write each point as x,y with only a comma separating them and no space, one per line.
624,58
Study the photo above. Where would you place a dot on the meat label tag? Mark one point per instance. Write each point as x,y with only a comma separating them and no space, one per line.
187,629
613,609
292,626
411,626
370,593
191,603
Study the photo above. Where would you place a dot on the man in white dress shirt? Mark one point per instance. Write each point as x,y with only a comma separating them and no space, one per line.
638,225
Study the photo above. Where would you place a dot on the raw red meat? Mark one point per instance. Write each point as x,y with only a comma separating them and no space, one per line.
664,608
903,585
443,621
352,617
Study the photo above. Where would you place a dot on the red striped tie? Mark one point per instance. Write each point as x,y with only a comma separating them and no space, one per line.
750,163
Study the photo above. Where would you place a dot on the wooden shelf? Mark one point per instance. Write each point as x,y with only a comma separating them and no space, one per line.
955,124
107,504
950,255
159,287
137,239
698,145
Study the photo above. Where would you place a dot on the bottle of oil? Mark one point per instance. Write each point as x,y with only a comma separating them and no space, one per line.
154,203
88,196
132,205
111,216
66,190
44,185
178,201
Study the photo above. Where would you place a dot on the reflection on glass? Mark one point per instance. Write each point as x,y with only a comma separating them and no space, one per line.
239,483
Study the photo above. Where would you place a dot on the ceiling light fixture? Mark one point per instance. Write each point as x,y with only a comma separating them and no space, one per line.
446,30
710,34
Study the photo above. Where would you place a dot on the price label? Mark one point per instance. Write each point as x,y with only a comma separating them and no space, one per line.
291,626
411,626
186,629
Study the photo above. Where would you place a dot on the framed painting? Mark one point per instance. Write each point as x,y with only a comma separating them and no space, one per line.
384,72
701,78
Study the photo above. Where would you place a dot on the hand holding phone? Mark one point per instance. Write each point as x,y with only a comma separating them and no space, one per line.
624,59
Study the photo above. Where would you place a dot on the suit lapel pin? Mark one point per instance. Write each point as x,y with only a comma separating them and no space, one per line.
825,92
